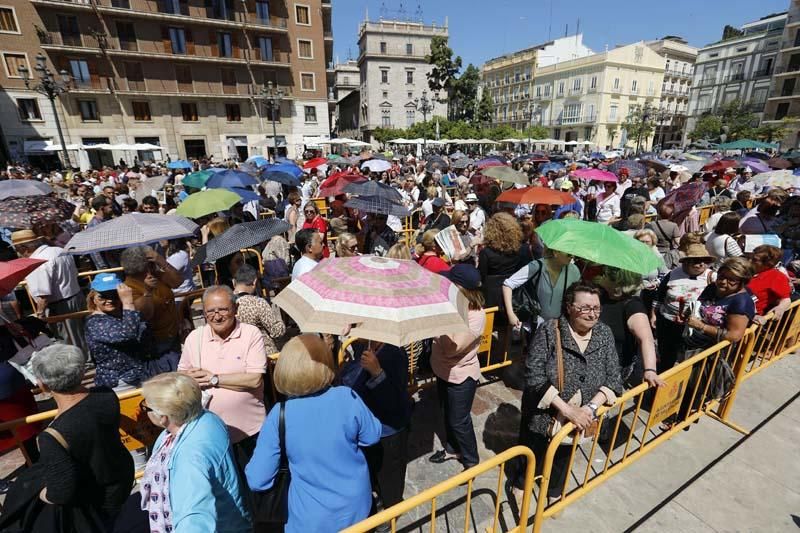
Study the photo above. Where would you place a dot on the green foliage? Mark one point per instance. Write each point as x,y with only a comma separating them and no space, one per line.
737,120
731,32
485,109
536,132
639,124
464,94
501,132
385,134
444,68
708,127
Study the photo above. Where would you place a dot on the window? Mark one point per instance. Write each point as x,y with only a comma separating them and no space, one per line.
189,111
135,76
384,75
183,75
593,82
590,114
383,47
265,48
68,28
410,95
310,113
715,54
384,94
409,49
141,111
547,90
612,112
224,44
741,49
634,86
305,49
538,91
262,11
13,62
8,20
88,110
29,109
233,112
560,87
172,6
302,15
411,116
177,38
228,81
616,83
124,4
576,84
386,120
307,82
410,77
79,69
127,36
572,114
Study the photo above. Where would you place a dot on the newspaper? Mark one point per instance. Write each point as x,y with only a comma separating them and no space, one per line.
452,243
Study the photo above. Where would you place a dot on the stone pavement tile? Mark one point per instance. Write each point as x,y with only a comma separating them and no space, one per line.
761,394
733,496
772,451
674,517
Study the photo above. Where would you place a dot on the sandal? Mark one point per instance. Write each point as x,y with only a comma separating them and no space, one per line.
441,456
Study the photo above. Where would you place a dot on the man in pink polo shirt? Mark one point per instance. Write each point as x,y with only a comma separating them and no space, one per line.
228,360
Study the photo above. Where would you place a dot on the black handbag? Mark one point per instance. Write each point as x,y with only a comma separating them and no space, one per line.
273,504
524,301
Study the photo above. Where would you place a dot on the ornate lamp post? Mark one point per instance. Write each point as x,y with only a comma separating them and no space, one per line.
50,86
424,106
272,97
531,113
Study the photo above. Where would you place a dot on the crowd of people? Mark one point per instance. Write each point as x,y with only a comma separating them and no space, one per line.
586,331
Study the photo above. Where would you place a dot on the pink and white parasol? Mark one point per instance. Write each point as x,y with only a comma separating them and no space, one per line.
389,300
594,174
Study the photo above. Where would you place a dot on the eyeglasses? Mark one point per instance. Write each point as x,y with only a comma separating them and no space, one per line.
698,261
353,248
309,212
729,280
588,309
221,311
146,408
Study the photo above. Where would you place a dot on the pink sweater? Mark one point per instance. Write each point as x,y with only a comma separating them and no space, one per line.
455,357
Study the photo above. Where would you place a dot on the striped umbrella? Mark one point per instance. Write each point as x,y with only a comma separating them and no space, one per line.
389,300
129,230
9,188
635,168
238,237
379,205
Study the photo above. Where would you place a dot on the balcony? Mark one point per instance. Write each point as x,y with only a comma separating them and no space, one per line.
678,74
675,92
735,78
763,73
757,107
64,4
782,94
567,121
576,92
789,69
327,35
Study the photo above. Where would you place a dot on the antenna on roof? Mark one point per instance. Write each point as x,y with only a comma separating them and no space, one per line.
578,29
550,22
418,13
384,11
566,30
401,13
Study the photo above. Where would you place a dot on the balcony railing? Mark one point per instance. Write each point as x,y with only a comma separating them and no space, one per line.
787,69
736,77
573,91
763,73
582,119
678,74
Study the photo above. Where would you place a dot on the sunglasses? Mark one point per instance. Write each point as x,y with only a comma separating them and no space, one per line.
698,261
108,295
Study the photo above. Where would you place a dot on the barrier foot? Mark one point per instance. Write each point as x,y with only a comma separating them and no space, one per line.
730,424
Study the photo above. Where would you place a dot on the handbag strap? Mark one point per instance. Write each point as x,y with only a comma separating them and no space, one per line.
57,436
559,359
282,435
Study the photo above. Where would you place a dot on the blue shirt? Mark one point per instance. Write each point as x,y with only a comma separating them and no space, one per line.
116,344
330,488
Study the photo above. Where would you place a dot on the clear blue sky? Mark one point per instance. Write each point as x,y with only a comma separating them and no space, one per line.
482,29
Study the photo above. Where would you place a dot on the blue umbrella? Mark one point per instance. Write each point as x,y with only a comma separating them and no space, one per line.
230,178
248,195
284,160
289,168
281,177
258,160
180,163
552,166
597,155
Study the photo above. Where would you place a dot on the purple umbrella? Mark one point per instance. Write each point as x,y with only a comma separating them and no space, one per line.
683,199
756,165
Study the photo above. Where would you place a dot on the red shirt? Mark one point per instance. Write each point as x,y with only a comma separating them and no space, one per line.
769,288
434,263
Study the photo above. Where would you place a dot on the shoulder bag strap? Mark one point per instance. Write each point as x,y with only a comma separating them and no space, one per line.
664,234
58,437
559,359
282,435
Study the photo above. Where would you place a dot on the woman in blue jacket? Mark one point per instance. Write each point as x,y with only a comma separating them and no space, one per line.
325,428
190,483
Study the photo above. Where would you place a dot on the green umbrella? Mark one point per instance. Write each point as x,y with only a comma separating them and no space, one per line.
206,202
599,244
506,174
197,180
335,157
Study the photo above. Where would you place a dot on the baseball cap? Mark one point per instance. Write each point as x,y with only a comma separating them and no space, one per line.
105,282
566,185
437,202
464,275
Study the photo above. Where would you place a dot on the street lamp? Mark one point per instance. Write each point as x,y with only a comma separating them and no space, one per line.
533,111
642,123
272,100
424,106
51,87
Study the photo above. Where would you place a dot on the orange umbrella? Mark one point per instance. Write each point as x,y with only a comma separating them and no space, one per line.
536,195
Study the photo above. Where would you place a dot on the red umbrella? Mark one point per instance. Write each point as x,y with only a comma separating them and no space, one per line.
536,195
335,184
720,165
779,163
314,163
14,271
486,163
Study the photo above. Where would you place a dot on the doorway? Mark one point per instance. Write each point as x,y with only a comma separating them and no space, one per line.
195,148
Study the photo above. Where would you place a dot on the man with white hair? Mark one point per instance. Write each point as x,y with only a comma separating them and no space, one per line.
744,183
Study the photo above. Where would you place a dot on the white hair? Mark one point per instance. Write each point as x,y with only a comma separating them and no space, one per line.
60,367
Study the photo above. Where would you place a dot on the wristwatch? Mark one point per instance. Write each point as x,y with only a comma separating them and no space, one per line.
594,407
214,381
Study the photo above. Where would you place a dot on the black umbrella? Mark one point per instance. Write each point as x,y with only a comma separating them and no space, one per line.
458,154
374,188
379,205
463,162
635,168
238,237
436,163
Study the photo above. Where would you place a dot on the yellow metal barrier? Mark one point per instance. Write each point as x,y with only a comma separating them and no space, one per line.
634,421
467,478
705,214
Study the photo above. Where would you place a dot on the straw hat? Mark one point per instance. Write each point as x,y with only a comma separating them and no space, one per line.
696,251
23,236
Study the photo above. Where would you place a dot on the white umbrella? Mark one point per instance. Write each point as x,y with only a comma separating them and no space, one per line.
485,141
377,165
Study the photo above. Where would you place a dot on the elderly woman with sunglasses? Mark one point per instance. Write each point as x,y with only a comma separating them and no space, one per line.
315,221
190,482
118,337
677,291
608,203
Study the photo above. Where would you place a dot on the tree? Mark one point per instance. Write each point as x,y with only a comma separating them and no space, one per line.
639,124
382,135
536,131
737,120
730,32
464,94
708,128
485,109
772,133
445,67
501,132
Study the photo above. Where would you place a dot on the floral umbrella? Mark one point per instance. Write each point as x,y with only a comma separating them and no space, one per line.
389,300
23,213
